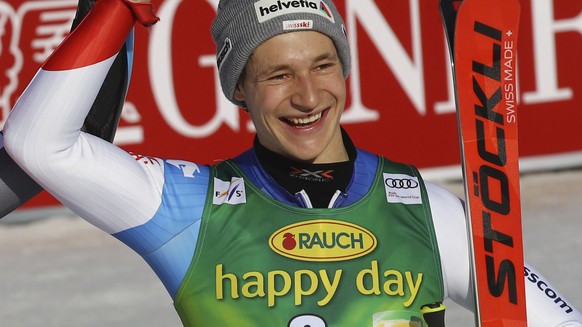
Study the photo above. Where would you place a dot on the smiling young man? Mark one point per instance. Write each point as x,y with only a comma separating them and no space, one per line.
294,89
303,229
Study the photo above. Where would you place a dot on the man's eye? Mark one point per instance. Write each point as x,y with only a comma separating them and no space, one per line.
324,66
278,77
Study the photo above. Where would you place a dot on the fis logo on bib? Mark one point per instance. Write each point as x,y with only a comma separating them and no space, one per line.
402,188
322,240
232,192
269,9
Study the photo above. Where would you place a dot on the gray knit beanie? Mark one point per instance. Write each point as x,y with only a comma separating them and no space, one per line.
242,25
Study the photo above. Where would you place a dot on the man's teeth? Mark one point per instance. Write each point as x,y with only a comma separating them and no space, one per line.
306,120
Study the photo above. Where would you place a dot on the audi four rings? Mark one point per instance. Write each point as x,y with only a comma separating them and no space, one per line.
398,183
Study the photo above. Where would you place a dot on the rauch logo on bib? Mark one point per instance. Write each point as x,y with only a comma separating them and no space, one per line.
322,240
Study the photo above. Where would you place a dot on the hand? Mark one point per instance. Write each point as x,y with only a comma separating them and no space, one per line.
143,11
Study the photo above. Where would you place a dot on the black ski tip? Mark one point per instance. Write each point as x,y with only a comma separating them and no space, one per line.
83,8
104,116
449,9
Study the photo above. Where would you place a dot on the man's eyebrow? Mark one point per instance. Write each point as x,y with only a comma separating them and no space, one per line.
326,56
275,67
270,69
283,66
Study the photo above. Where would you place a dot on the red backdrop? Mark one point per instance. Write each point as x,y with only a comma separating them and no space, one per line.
400,98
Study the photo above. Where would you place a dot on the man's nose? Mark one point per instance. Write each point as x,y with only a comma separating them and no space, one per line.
306,95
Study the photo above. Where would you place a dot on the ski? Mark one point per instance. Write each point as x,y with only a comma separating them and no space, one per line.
482,39
105,113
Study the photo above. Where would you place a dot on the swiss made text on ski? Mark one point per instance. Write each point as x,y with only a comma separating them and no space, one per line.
482,36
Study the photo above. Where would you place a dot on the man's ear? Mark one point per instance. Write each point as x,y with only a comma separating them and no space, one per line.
239,93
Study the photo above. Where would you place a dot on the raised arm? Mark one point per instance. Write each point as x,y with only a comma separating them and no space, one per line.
16,187
44,136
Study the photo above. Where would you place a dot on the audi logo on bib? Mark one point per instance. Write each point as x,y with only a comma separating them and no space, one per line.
404,183
402,188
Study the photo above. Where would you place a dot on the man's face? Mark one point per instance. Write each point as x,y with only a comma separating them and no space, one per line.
295,92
